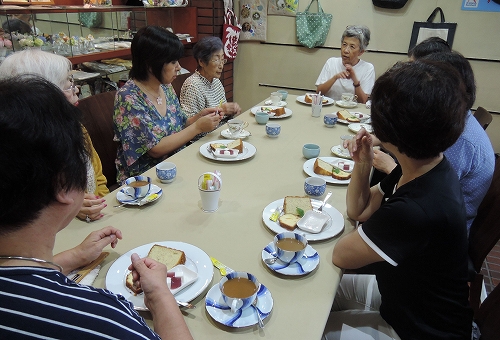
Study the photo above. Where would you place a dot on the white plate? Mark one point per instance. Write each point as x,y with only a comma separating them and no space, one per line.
309,169
269,102
248,151
196,260
124,198
337,151
364,116
303,266
333,227
288,112
355,127
346,105
302,99
221,312
243,134
313,221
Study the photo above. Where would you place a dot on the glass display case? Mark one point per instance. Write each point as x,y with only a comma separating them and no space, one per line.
88,34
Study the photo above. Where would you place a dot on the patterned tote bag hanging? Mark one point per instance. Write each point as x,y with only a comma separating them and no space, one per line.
312,28
253,20
230,31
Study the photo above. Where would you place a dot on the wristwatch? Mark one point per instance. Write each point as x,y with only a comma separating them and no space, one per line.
356,85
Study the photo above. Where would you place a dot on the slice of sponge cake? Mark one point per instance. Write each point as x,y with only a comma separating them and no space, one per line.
170,257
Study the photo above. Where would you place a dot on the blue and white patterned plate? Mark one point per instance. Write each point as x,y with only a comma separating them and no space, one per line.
221,312
124,198
303,266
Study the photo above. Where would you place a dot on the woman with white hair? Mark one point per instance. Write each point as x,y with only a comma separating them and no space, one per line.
348,74
56,69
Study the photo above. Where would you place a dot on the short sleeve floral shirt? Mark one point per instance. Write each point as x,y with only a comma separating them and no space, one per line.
139,127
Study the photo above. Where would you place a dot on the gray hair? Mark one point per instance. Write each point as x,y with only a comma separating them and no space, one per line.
52,67
206,47
361,32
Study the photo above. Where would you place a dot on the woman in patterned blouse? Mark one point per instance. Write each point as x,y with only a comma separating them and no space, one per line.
149,122
203,89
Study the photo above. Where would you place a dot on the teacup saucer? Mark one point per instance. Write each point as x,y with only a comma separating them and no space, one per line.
269,102
303,266
243,134
124,198
346,105
220,312
337,151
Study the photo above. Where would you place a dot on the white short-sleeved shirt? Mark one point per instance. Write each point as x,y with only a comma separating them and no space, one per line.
365,72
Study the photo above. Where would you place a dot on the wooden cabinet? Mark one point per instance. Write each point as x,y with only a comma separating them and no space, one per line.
88,34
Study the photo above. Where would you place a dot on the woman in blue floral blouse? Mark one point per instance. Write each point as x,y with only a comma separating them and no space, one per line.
149,122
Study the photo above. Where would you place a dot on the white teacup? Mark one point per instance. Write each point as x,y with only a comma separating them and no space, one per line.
241,290
275,98
236,126
349,97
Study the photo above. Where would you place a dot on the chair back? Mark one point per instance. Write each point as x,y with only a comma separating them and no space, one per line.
488,316
484,234
98,120
483,116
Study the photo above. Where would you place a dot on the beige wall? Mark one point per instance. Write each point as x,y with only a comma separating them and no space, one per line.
280,62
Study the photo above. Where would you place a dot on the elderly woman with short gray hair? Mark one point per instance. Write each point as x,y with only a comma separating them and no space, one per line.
203,88
348,74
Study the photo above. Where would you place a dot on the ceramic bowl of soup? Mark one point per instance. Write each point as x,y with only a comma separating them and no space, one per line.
239,290
289,246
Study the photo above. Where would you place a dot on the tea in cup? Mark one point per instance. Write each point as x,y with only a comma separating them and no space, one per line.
275,98
239,290
137,186
349,97
290,247
236,126
166,172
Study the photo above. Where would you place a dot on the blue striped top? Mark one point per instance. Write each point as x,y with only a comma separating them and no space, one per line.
42,303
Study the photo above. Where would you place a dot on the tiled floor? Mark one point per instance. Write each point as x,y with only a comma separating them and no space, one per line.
491,269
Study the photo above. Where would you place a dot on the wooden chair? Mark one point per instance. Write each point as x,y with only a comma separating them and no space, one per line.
483,116
484,234
98,120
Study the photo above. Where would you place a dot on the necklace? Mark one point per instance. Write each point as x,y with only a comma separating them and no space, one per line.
32,259
159,100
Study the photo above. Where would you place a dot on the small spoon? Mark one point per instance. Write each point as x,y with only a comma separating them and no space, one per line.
324,201
254,305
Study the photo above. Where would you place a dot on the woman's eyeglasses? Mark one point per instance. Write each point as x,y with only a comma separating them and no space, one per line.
219,61
72,87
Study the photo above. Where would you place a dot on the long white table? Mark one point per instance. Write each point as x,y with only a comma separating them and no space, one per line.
236,234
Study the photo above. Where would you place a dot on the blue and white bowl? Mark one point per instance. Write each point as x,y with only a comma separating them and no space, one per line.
315,186
330,119
273,129
166,172
238,304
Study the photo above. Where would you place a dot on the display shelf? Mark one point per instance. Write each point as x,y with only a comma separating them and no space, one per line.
74,31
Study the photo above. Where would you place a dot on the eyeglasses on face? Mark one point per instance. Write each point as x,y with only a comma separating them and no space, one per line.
219,61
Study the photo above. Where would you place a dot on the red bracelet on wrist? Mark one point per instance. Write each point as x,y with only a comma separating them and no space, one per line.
356,85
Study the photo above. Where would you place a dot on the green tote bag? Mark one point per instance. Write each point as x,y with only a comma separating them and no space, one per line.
312,28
